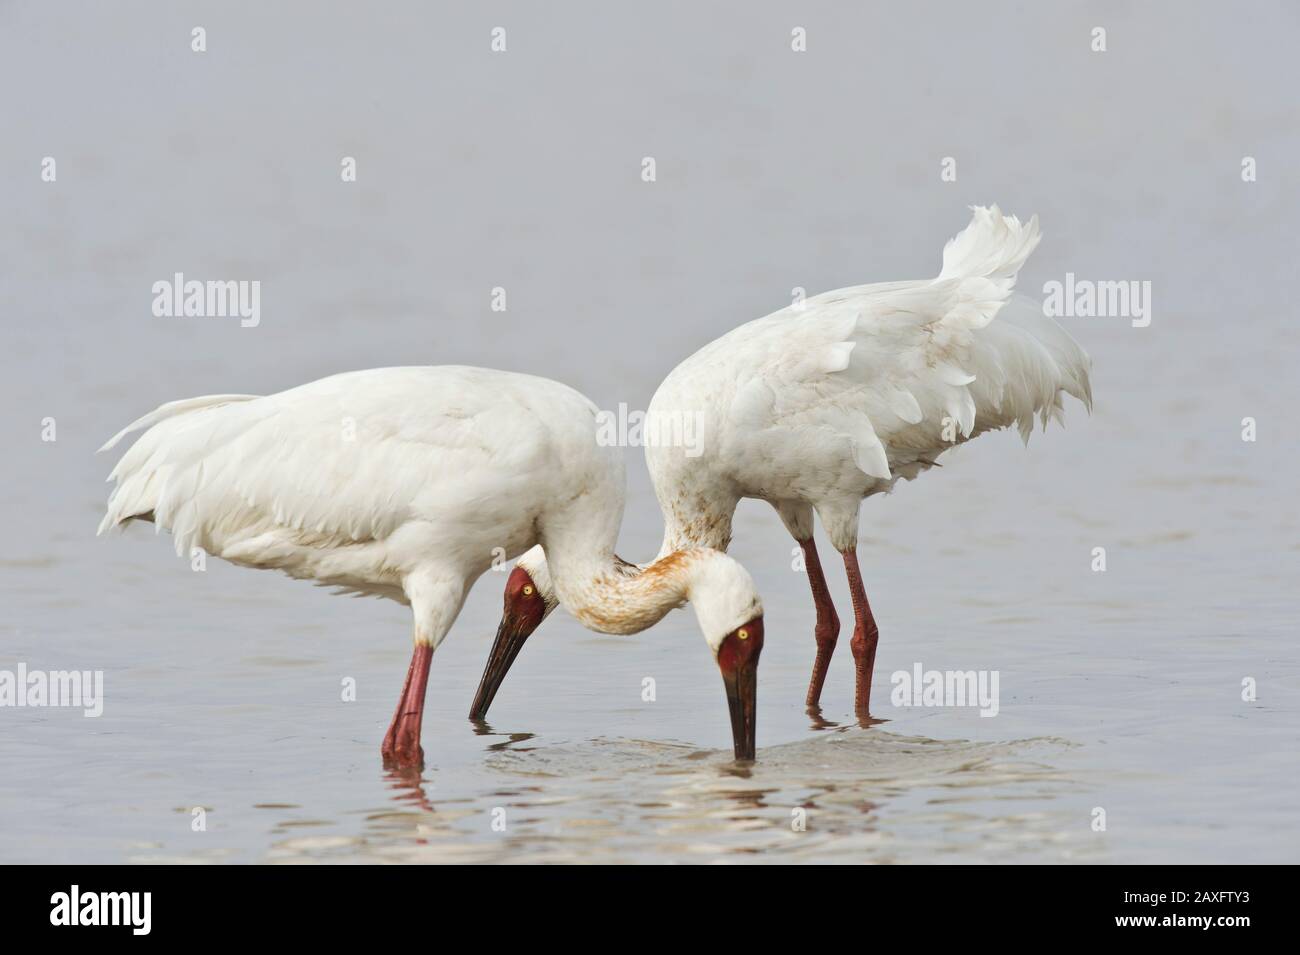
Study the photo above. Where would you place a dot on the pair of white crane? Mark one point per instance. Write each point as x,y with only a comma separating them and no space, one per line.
403,482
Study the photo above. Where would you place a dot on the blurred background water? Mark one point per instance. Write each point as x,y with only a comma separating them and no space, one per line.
1120,690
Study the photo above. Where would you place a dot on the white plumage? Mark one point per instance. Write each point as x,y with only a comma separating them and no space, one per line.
408,483
824,403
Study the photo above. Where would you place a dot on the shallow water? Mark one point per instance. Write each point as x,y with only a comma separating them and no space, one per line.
1120,691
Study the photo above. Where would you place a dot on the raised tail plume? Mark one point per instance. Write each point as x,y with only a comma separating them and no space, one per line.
994,247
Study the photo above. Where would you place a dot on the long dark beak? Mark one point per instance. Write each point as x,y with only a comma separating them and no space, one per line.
510,640
742,699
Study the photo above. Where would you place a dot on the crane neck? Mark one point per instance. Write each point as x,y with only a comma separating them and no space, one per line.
697,520
609,595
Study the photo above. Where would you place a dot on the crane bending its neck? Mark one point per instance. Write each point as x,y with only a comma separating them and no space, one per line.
609,595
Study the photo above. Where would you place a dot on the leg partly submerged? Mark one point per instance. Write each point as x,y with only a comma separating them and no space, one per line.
436,595
865,634
402,742
827,628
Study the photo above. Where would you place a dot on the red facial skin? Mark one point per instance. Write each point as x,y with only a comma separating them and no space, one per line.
735,653
524,611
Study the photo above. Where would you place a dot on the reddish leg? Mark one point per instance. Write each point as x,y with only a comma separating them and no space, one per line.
827,629
865,634
402,742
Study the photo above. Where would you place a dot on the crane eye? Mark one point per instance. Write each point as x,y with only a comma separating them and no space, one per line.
742,634
528,590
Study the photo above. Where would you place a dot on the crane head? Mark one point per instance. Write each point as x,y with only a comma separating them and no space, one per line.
737,657
526,606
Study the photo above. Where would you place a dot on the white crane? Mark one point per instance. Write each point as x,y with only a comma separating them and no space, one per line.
404,483
825,403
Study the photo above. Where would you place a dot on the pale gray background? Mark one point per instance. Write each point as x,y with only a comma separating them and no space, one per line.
775,170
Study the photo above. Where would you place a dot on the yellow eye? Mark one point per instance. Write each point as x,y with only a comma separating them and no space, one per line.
742,633
528,591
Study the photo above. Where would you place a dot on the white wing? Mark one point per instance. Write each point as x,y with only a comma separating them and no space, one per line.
871,374
346,460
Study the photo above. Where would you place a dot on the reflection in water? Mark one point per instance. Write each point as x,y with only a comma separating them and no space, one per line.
408,783
483,728
848,796
819,722
867,721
